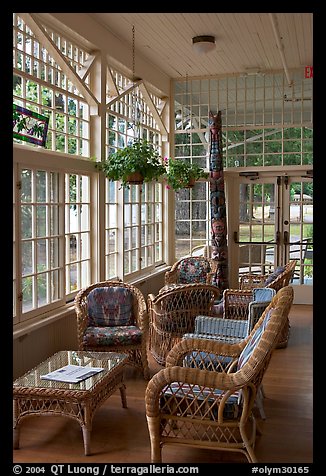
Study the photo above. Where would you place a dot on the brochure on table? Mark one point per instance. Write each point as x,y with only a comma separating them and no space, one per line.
72,373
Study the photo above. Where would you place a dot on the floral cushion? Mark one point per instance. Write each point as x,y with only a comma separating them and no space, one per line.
110,306
193,270
112,336
274,275
251,344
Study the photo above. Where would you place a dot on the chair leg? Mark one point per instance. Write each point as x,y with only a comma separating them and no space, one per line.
145,369
258,429
260,403
250,454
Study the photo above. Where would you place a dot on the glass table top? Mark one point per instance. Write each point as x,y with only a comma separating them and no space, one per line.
107,360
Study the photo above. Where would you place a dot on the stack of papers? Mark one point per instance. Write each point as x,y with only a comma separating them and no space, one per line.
72,373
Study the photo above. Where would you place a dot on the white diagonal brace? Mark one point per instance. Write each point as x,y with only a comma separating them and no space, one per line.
46,41
154,111
83,72
201,135
111,83
124,92
163,102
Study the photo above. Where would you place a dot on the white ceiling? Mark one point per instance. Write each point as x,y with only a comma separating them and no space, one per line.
245,42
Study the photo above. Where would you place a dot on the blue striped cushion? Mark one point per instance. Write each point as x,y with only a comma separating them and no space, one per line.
251,344
173,396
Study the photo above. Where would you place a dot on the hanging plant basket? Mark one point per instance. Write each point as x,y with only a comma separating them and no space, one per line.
134,164
191,183
136,178
183,174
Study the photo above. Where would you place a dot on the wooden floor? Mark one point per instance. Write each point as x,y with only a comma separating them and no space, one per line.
120,435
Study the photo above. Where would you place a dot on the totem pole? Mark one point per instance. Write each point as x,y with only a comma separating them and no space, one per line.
217,197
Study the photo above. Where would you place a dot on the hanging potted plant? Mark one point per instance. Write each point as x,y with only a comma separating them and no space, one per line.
134,164
183,174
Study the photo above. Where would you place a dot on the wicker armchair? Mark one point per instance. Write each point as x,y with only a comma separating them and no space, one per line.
172,314
235,304
193,269
112,316
233,330
205,396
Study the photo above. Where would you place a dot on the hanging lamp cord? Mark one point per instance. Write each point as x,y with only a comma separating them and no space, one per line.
135,118
133,54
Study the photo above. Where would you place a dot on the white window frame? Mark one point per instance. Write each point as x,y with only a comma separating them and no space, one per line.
73,80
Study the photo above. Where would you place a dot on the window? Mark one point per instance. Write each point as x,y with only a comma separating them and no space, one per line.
61,243
39,218
40,85
55,256
77,232
264,123
140,230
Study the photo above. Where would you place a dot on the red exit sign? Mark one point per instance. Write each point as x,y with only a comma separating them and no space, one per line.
309,72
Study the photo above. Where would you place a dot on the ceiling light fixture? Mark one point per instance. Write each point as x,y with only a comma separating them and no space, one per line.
203,44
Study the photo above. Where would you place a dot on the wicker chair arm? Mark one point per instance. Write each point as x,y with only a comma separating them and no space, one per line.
82,316
140,309
171,276
142,320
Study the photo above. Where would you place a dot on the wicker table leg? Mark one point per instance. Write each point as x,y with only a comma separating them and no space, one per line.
87,440
16,433
122,389
16,430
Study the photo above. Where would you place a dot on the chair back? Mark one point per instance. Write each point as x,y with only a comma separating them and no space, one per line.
184,301
282,276
192,269
236,302
172,314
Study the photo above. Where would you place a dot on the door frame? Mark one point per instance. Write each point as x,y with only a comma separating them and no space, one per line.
303,294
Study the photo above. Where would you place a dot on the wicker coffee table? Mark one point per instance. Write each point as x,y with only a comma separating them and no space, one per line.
35,396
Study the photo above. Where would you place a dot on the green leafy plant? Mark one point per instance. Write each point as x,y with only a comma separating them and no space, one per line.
182,173
140,157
